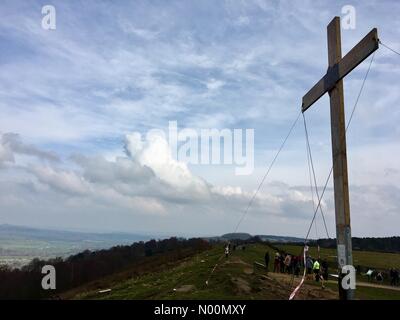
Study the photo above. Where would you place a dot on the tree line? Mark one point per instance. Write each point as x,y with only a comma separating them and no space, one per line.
388,244
87,266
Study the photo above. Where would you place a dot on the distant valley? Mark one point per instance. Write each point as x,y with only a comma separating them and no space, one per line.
19,245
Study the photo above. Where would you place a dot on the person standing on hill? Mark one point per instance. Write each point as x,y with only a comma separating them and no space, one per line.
282,263
309,266
296,265
276,262
379,277
316,269
394,277
288,261
266,258
317,272
324,265
226,252
391,274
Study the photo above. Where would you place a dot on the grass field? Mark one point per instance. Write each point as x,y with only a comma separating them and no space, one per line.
376,260
233,278
366,293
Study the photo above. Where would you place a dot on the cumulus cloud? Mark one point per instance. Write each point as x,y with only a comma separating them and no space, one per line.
149,179
148,182
64,181
11,144
155,153
6,154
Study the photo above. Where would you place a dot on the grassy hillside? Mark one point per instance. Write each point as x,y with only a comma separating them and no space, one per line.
233,278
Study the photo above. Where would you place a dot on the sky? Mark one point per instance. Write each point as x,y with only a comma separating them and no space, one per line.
77,101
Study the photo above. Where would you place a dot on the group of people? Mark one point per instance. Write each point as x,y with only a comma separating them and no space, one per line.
286,263
316,269
228,248
380,275
292,264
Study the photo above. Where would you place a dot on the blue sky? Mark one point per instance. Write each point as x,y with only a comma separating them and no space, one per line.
75,94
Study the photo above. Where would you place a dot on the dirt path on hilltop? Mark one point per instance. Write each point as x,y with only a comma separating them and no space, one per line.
275,286
306,292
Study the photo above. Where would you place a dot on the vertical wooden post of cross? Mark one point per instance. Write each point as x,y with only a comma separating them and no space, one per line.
332,83
340,177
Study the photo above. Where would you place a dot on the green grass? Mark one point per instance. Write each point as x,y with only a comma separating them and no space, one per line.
223,283
367,293
193,272
161,285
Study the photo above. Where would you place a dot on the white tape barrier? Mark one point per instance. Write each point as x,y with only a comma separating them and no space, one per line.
215,267
304,275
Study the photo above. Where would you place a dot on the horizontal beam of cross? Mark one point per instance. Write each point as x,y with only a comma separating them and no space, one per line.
352,59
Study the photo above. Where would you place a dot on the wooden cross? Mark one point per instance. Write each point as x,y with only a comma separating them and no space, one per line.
332,83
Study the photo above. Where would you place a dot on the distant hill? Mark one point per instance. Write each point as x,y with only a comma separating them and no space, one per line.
247,236
236,236
271,238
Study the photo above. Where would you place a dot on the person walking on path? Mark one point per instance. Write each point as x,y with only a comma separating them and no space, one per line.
317,272
309,266
324,267
288,261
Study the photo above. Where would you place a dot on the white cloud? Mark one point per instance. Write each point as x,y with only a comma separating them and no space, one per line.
150,181
214,84
64,181
155,153
11,145
143,33
6,154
